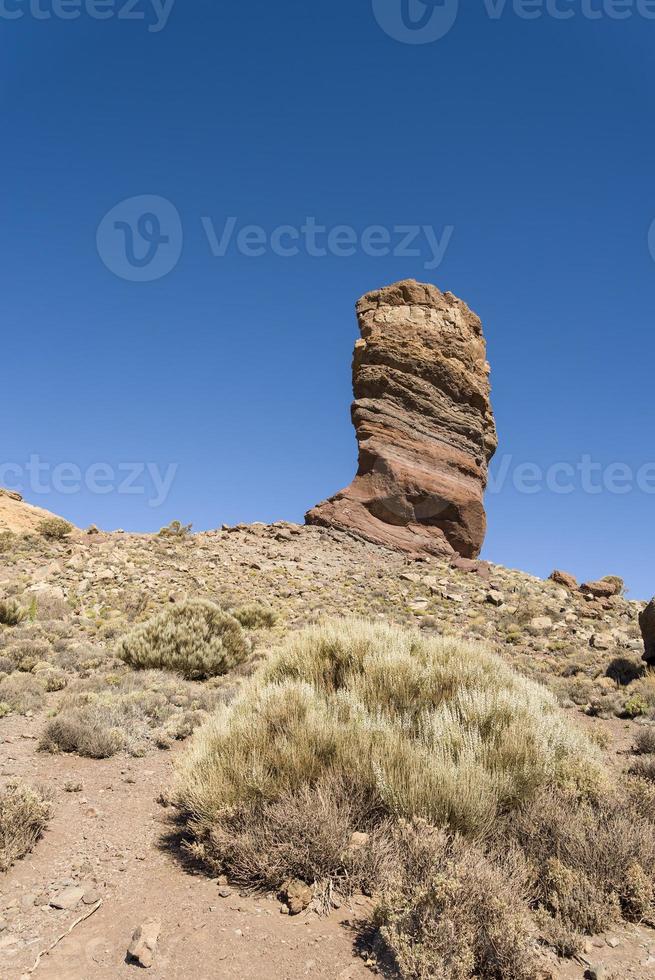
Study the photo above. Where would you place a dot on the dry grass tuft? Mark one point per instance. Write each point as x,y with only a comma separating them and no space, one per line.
24,814
109,713
195,639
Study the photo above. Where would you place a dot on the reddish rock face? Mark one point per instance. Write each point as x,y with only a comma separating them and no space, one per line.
424,425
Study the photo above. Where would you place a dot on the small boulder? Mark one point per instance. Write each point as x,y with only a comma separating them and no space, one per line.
601,589
144,942
495,598
569,581
69,898
541,624
297,895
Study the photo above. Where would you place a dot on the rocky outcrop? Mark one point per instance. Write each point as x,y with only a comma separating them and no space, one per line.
18,516
424,425
647,626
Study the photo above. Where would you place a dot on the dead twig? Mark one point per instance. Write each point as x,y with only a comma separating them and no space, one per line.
48,949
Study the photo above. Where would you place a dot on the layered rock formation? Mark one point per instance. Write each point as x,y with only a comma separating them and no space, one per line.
424,425
647,625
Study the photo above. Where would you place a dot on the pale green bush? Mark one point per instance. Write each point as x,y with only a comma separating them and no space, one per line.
11,613
434,728
195,639
54,528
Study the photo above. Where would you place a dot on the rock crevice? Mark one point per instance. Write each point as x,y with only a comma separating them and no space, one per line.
424,425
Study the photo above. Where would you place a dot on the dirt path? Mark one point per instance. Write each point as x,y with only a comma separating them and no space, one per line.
109,836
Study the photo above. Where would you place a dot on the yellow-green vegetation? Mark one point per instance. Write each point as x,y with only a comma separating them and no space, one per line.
11,612
254,616
109,713
195,639
485,815
24,814
54,528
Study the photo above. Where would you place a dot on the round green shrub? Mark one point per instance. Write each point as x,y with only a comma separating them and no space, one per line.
195,639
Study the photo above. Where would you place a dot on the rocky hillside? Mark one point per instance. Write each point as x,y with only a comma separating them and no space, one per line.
63,690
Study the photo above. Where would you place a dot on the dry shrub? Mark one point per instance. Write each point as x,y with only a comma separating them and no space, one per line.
11,613
593,859
196,639
28,652
644,768
489,818
645,740
304,834
83,730
447,913
106,713
254,616
54,528
22,693
24,814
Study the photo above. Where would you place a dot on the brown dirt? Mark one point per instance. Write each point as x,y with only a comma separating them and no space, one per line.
113,835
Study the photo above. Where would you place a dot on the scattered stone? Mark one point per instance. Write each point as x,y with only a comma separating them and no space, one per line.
297,895
602,641
69,898
224,891
144,942
495,598
541,624
597,972
91,896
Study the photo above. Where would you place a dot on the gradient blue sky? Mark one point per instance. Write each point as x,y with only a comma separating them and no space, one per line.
533,139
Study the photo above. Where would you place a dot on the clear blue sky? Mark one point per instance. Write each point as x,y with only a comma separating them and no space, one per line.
533,140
